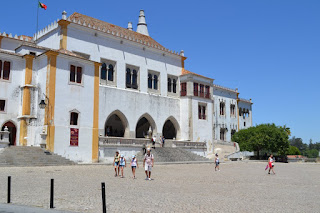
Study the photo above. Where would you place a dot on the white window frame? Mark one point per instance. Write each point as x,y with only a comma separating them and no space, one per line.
10,75
5,105
106,81
152,90
132,67
177,85
76,64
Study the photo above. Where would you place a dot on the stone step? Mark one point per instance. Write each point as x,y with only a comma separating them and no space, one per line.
167,154
30,156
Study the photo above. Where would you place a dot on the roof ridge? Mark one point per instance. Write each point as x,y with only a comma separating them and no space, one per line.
118,31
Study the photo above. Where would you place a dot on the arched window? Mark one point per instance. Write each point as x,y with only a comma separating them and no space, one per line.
134,79
110,72
128,78
74,118
104,71
174,84
149,81
155,82
169,85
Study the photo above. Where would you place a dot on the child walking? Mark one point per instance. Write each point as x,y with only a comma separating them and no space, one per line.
134,165
122,163
216,160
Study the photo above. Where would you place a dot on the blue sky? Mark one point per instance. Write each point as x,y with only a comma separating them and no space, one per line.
269,49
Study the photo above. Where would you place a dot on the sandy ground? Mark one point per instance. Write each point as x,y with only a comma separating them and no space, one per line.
238,187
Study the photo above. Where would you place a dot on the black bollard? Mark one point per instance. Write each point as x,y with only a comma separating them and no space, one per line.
103,189
51,194
9,189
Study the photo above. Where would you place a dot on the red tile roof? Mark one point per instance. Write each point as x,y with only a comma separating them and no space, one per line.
186,72
76,17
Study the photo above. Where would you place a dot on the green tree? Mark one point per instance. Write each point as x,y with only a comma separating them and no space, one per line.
312,153
293,150
263,137
297,142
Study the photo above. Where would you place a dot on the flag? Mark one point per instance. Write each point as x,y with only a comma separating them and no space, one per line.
41,5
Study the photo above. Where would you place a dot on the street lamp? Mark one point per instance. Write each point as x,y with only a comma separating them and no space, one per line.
42,104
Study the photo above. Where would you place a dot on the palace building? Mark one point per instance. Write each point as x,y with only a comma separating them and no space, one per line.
81,82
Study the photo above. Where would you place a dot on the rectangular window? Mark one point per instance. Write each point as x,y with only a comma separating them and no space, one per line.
202,111
72,73
132,77
222,108
232,109
183,89
153,81
79,75
244,123
201,90
222,134
2,105
5,70
207,95
195,89
169,84
74,119
75,74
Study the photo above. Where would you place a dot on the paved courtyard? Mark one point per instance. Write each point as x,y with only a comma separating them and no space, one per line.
238,187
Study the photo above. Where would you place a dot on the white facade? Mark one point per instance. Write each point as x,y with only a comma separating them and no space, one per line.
128,86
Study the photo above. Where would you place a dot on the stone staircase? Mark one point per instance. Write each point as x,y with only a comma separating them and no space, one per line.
168,154
30,156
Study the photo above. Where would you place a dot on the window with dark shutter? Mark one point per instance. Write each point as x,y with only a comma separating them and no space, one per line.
104,71
2,105
6,70
72,73
79,74
74,118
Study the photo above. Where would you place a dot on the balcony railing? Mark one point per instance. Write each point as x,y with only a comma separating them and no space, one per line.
183,93
196,93
202,94
207,95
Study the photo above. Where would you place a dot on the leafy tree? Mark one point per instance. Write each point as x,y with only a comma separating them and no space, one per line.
297,142
263,137
293,150
312,153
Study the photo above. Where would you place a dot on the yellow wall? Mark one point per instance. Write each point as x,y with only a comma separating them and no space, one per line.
26,100
64,31
50,93
95,130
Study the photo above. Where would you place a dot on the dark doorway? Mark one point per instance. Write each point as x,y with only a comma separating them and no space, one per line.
13,131
142,128
114,127
169,131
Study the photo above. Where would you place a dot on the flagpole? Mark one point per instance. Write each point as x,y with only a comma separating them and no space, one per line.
37,20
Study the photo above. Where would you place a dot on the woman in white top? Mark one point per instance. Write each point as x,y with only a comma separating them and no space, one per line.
134,165
270,163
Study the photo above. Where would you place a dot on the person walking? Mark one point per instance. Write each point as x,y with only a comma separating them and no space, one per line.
163,140
122,164
148,162
116,163
134,165
217,162
270,164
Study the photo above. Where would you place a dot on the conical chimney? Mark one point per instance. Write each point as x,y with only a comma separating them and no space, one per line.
129,26
142,25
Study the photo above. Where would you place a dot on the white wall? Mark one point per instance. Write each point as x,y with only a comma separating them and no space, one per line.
231,122
11,91
70,97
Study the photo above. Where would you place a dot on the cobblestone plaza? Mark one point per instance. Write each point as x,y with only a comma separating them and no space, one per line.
238,187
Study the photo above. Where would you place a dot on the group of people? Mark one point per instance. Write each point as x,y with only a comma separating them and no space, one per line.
120,162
